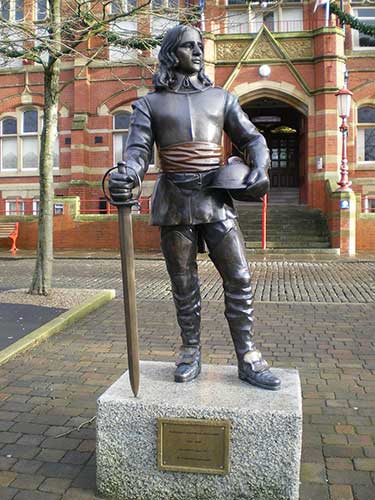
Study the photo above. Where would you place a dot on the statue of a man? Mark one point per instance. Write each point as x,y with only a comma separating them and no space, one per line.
185,116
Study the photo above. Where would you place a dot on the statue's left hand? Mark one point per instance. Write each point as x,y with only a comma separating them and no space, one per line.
257,174
258,182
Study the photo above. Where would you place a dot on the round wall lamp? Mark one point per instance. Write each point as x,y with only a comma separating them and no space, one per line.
264,71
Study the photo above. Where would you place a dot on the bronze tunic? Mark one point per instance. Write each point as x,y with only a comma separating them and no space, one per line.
197,116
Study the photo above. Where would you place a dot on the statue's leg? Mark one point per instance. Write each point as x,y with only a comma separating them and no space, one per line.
179,246
227,252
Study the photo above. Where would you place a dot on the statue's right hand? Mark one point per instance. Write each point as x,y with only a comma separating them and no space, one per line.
120,186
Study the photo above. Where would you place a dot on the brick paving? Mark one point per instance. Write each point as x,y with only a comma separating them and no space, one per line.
46,393
332,282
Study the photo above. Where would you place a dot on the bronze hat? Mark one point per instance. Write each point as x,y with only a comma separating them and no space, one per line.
234,178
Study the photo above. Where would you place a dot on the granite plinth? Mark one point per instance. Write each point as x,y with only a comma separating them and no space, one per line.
266,436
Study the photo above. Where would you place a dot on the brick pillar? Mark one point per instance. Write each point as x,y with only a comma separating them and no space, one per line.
343,213
324,125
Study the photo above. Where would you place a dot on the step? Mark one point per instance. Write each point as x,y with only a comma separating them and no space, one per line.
321,231
278,238
286,244
294,251
288,227
276,211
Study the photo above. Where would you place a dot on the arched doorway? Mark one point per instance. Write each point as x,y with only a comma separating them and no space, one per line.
284,128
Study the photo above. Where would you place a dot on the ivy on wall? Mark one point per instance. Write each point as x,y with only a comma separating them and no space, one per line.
353,22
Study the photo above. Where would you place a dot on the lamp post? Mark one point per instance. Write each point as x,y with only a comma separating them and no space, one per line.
344,98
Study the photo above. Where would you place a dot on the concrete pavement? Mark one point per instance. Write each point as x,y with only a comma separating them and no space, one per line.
316,316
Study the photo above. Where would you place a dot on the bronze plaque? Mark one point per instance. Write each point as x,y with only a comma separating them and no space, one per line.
190,445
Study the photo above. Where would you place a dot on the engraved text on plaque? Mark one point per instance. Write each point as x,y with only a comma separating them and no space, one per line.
190,445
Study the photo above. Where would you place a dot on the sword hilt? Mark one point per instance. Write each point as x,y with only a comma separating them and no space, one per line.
122,168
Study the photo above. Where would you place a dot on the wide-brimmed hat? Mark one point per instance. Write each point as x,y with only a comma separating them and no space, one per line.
233,177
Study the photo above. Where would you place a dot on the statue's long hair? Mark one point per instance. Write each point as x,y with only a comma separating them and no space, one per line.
165,77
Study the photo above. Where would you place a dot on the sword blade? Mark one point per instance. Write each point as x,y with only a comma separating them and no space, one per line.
128,283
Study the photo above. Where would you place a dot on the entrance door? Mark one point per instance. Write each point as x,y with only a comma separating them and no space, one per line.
284,158
281,125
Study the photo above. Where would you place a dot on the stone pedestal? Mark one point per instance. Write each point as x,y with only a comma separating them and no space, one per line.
265,436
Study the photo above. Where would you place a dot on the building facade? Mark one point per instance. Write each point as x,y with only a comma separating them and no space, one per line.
278,57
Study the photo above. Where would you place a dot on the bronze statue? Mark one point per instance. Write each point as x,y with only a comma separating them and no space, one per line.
186,116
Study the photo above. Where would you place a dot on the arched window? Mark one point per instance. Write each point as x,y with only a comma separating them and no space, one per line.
121,122
366,134
30,130
20,141
8,144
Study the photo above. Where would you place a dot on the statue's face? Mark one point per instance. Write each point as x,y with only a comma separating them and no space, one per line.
190,52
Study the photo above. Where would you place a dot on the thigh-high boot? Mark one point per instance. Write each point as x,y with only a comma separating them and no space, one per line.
179,246
229,257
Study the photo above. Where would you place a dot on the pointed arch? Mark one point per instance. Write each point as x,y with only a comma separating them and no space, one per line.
284,92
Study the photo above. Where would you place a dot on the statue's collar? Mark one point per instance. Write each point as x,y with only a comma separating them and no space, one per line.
186,84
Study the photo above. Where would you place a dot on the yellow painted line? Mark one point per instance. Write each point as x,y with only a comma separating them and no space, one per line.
57,324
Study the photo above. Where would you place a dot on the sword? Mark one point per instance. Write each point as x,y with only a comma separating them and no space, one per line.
128,277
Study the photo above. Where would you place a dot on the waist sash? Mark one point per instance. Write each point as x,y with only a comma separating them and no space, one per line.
191,157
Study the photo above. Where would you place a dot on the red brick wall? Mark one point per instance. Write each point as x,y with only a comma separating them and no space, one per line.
101,233
365,233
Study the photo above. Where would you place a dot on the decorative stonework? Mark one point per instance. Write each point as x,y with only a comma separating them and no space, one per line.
297,47
264,50
230,51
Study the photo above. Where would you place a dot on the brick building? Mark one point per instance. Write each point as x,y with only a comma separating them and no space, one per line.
281,62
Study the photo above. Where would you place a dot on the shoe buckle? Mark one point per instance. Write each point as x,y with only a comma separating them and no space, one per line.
256,361
187,356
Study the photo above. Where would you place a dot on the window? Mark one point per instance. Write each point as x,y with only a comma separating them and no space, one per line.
291,19
249,17
368,203
41,9
122,6
164,16
8,144
14,207
29,140
237,21
58,208
366,134
20,142
121,122
361,40
121,126
126,27
41,32
12,10
36,204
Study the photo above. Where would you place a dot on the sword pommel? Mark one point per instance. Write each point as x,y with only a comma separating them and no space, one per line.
121,167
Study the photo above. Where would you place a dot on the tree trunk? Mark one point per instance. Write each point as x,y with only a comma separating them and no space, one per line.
42,277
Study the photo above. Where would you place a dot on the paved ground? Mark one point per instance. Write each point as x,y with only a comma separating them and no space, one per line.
318,317
332,282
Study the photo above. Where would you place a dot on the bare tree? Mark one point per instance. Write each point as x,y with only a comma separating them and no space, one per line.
47,32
